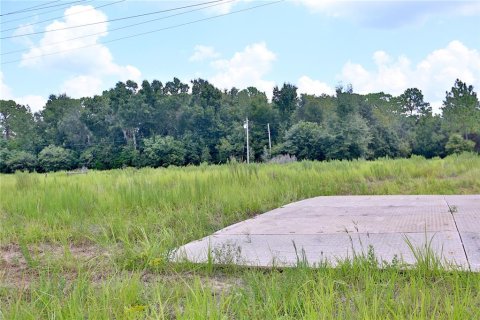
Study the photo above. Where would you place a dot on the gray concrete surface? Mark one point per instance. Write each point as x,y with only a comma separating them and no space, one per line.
338,227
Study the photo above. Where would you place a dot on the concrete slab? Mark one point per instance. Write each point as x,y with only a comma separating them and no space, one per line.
468,222
463,203
286,250
317,224
471,242
332,228
310,210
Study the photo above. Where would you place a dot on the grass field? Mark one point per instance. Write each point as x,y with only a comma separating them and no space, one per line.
94,246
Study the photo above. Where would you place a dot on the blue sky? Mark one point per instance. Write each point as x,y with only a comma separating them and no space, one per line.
374,45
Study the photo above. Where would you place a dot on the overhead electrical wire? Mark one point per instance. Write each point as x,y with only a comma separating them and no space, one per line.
66,15
34,9
38,5
111,20
120,28
147,32
42,13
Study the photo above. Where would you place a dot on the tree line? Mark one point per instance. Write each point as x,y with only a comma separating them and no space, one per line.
156,124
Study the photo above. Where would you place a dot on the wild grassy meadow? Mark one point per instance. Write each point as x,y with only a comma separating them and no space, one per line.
95,245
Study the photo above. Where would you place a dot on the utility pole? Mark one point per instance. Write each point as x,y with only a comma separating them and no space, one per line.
269,139
245,125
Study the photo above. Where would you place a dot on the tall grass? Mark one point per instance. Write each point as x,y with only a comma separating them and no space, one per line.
179,204
135,217
350,291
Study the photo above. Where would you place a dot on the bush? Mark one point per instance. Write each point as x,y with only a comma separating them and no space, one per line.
163,151
456,144
305,140
4,154
20,160
53,158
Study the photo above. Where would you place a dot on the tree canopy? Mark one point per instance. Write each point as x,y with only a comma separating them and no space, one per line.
173,123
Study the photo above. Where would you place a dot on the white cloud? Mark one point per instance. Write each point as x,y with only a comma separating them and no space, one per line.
81,86
246,68
390,13
309,86
94,62
434,75
23,29
203,53
36,103
224,8
5,90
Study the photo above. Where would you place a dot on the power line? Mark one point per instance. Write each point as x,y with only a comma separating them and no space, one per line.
148,32
120,28
38,5
112,20
33,9
66,15
45,12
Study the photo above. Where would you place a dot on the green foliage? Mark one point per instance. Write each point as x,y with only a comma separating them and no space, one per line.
225,150
163,152
53,158
351,139
96,245
286,100
306,140
430,137
412,103
461,109
315,109
457,144
119,127
20,160
17,126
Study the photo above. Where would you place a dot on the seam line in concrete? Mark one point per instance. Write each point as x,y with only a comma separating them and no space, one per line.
329,234
452,209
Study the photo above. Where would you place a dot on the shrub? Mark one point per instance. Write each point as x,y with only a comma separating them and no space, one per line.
305,141
456,144
163,151
53,158
20,160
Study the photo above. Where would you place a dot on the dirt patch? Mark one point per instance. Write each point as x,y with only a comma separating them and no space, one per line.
218,283
19,264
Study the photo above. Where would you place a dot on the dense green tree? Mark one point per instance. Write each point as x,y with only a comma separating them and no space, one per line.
53,158
57,109
205,94
430,137
286,100
315,109
385,143
17,126
20,160
412,103
74,132
352,137
175,87
232,146
4,154
348,103
306,140
457,144
163,151
160,124
461,109
260,114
